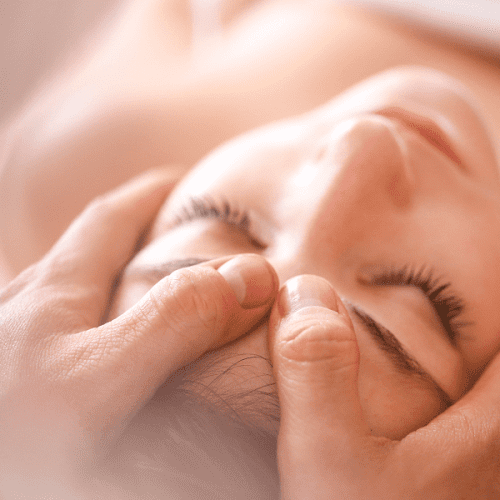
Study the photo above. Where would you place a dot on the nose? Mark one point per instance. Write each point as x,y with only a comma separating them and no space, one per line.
369,162
365,186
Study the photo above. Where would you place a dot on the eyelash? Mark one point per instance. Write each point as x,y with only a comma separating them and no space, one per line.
448,306
206,207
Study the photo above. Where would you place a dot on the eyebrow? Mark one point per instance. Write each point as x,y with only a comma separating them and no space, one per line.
389,343
384,338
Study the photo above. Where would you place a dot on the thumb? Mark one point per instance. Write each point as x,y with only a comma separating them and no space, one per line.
315,360
191,311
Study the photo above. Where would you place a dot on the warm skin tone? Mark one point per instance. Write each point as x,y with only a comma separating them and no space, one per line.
344,194
134,95
347,411
350,195
399,173
70,386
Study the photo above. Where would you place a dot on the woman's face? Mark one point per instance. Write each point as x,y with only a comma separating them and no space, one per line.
391,192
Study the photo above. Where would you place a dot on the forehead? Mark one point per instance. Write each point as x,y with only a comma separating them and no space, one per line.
262,153
461,234
253,156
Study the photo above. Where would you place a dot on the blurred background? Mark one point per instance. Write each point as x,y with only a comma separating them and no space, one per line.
37,36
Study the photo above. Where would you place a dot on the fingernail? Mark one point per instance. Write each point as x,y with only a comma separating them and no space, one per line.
252,279
305,291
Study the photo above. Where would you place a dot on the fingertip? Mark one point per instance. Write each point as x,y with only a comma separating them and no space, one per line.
305,295
252,278
309,323
315,358
305,291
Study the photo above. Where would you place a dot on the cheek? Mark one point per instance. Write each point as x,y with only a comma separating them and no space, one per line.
394,403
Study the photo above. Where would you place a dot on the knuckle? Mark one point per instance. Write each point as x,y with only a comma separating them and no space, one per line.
19,285
191,299
99,209
98,205
105,210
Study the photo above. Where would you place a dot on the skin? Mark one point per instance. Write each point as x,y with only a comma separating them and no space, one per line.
125,104
100,388
35,174
72,385
348,190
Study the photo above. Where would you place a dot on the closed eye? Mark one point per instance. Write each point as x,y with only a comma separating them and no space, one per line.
446,303
389,343
207,207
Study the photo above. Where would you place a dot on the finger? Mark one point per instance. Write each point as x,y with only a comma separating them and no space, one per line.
466,437
193,310
103,238
315,357
315,361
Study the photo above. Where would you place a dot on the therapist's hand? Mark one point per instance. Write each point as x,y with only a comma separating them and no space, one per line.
69,384
325,448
